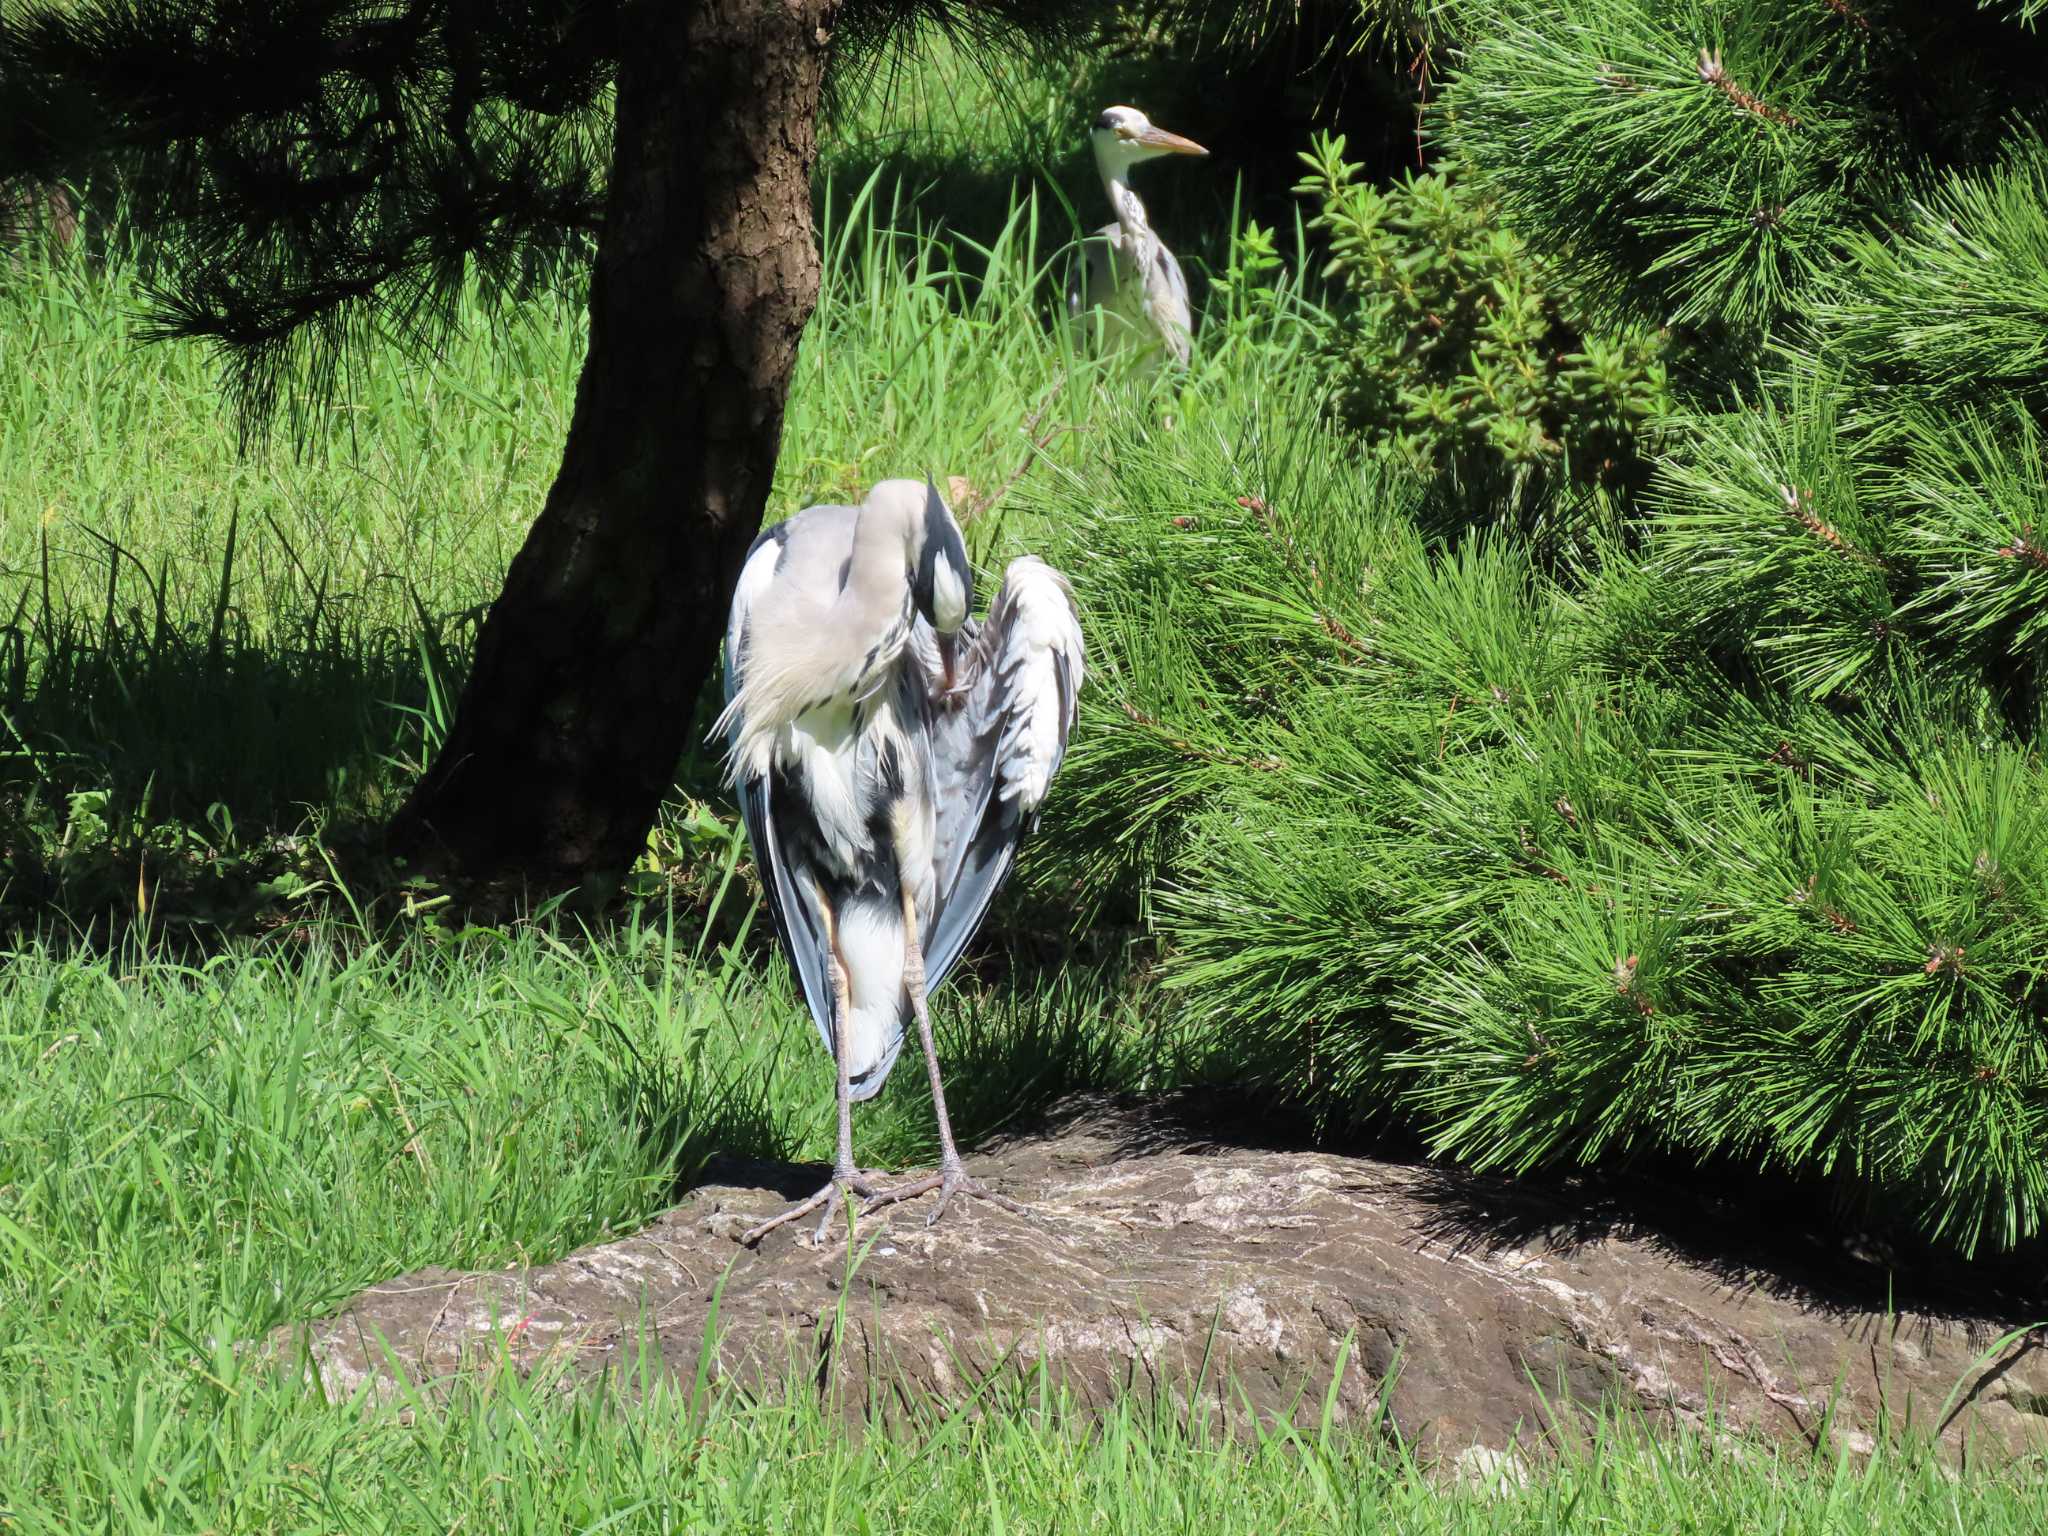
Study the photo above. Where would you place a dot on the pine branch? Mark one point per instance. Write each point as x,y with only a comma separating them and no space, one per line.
1951,302
300,177
1675,180
1712,72
2025,548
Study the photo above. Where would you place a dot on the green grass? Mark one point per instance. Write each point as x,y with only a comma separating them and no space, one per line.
207,652
193,1153
190,1155
224,1105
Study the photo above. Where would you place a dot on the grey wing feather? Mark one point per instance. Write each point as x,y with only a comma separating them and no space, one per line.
962,748
1142,285
995,754
793,911
1181,313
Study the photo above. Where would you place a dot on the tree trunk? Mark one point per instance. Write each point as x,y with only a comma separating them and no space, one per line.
592,658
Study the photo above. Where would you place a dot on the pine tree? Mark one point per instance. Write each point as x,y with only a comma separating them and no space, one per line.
1719,828
301,176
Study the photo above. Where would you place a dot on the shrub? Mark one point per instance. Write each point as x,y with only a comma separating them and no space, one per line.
1459,350
1421,839
1719,829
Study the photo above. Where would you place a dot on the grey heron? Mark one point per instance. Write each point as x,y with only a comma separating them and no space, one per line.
1125,268
890,753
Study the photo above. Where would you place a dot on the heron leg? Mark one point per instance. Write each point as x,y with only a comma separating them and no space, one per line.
952,1177
846,1179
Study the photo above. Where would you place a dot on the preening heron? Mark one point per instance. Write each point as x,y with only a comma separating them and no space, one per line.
1125,268
890,753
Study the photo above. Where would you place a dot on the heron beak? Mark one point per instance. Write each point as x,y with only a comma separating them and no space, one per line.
1161,142
949,655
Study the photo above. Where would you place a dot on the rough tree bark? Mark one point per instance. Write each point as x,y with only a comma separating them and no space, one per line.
591,659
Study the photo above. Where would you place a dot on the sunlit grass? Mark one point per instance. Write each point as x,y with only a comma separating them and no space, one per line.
218,642
192,1154
216,656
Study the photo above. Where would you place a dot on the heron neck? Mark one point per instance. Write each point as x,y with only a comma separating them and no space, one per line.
878,565
1130,212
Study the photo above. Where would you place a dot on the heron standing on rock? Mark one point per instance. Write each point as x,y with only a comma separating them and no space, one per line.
890,754
1125,268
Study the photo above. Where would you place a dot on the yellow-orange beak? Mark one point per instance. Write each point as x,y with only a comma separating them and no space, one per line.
1167,143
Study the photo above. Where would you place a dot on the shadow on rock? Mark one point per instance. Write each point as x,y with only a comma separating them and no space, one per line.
1754,1233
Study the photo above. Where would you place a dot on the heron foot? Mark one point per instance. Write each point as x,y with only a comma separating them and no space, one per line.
948,1182
835,1193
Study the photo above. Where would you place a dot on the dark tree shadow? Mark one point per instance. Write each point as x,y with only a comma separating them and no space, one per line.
139,755
196,781
707,1127
1774,1233
1778,1236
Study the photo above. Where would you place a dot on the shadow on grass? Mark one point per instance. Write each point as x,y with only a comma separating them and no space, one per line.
1039,1036
1010,1054
697,1127
193,781
147,767
172,723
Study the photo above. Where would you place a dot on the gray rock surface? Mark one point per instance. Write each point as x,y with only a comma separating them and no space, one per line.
1148,1255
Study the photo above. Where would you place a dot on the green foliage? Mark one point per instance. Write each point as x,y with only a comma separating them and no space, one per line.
1767,533
1717,830
1564,867
192,1154
1321,26
1841,565
1165,537
1951,302
1694,159
1461,352
1703,164
1980,549
1835,965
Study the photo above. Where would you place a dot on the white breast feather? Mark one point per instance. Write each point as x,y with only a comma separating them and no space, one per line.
820,746
871,939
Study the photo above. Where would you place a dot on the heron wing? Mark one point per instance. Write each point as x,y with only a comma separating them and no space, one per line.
1166,296
1141,284
994,755
792,904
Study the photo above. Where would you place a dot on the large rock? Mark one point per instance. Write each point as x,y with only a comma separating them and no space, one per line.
1153,1260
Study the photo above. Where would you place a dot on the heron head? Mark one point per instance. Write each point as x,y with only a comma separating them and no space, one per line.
1123,136
934,553
942,581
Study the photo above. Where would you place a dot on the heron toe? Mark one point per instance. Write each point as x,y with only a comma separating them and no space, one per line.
948,1182
830,1197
